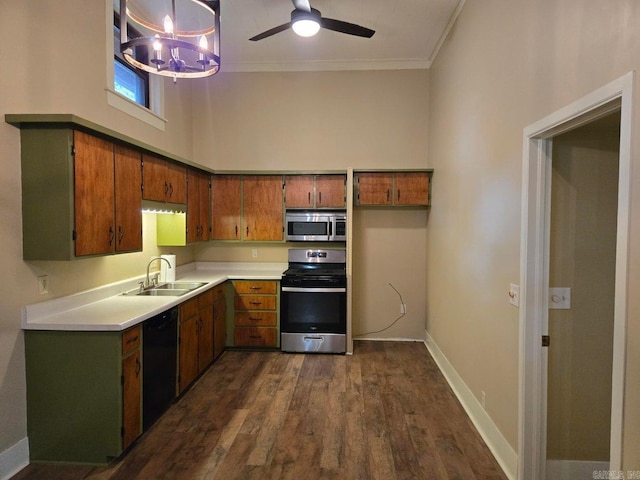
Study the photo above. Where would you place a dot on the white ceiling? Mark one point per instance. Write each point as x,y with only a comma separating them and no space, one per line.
408,35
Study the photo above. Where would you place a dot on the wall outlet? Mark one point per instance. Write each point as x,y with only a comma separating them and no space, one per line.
254,253
43,284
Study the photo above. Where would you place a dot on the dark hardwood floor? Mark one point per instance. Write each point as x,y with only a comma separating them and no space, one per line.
384,413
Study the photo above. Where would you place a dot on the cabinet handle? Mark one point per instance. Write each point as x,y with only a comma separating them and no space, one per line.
320,198
255,336
388,194
255,303
120,235
171,190
111,235
309,198
132,340
255,288
138,367
166,189
236,231
255,319
398,195
247,231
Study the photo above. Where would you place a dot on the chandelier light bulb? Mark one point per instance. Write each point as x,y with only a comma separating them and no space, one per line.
204,44
168,25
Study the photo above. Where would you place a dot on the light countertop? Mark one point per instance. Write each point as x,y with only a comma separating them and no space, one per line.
105,309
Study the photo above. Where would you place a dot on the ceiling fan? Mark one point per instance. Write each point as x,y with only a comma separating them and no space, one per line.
307,21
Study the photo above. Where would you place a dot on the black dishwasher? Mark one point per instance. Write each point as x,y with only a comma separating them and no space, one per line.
159,364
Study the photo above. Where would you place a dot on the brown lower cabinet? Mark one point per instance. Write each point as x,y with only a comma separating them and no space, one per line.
131,385
195,335
255,313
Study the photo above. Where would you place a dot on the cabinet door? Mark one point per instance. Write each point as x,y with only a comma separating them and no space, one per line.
330,191
299,191
132,398
128,199
188,350
176,178
155,183
219,326
226,203
204,190
263,207
94,195
197,206
375,188
412,188
205,337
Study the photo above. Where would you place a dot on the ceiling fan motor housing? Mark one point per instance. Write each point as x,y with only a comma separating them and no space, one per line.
313,15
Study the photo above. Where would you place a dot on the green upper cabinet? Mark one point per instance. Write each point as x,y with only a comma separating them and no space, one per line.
81,195
393,188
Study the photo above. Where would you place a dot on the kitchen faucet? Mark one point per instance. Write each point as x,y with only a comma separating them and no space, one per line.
148,282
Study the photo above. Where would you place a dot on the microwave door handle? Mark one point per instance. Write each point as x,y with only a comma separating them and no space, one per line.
330,229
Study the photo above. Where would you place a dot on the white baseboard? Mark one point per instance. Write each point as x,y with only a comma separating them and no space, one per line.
505,455
14,459
397,339
574,469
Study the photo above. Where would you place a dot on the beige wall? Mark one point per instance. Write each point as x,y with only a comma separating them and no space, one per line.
584,195
505,66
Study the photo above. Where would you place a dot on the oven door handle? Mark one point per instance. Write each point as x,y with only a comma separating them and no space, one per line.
314,290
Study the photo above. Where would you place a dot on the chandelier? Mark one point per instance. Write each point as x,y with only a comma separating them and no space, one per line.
174,38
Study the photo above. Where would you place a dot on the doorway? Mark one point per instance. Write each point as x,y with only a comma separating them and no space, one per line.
535,261
584,195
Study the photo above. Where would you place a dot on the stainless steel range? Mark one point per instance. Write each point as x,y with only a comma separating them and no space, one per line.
313,302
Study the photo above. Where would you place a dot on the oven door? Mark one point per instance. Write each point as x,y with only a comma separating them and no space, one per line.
313,310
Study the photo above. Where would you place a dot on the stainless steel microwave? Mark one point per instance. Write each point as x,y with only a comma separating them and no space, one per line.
316,226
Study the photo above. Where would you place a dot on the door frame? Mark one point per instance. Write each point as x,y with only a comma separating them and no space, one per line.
534,269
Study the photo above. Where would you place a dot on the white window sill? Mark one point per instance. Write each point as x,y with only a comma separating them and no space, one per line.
125,105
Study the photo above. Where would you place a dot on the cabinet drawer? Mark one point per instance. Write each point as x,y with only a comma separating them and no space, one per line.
254,287
131,339
255,337
205,299
258,319
188,309
254,302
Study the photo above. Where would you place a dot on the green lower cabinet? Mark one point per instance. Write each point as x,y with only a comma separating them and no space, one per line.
75,390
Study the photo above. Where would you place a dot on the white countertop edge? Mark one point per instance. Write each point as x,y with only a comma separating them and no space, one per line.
70,313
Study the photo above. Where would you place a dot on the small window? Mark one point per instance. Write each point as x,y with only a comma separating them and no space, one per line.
128,81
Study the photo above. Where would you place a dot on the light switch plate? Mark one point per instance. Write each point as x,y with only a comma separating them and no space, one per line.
559,298
514,294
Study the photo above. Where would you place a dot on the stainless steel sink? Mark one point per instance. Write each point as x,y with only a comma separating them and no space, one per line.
156,292
170,289
179,286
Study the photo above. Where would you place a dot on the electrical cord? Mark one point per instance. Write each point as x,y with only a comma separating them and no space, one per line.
392,323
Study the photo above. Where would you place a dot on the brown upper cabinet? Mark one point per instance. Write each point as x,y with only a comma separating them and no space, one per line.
163,181
81,195
393,188
315,191
263,208
226,207
247,207
198,214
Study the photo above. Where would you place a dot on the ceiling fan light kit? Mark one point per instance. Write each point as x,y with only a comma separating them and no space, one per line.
307,21
305,24
173,38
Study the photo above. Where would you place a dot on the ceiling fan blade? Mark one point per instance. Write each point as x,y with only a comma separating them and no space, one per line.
346,27
302,5
272,31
